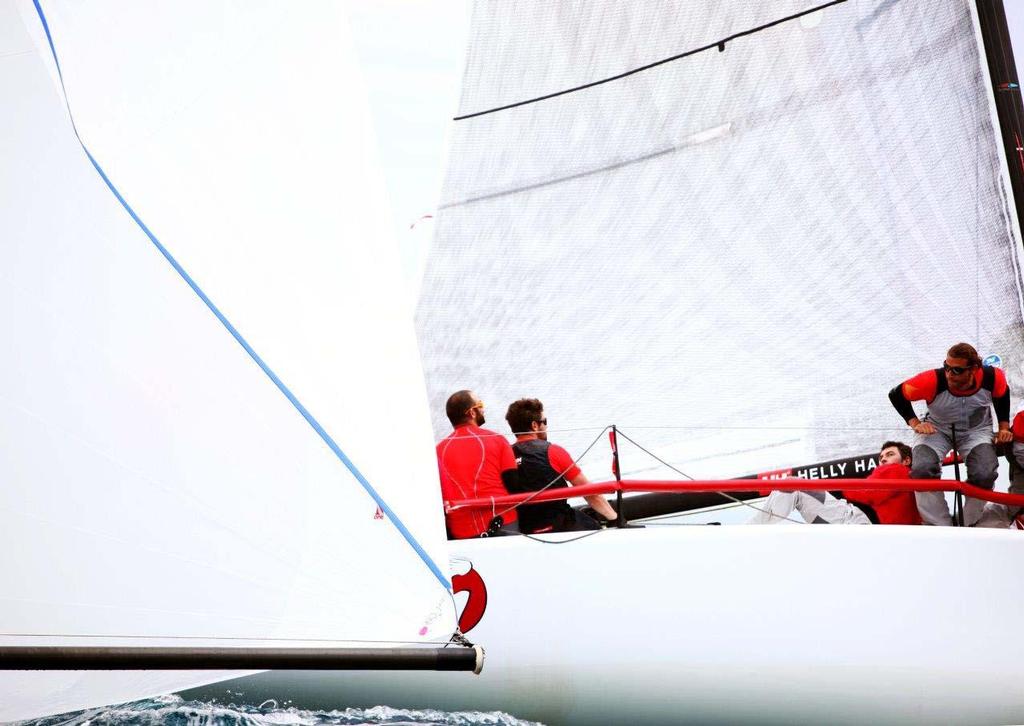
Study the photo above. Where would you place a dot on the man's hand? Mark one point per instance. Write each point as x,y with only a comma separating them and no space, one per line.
1003,436
599,517
922,427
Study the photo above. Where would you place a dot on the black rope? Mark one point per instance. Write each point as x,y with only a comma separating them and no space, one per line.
720,44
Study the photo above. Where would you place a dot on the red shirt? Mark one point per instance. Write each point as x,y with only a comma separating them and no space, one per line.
562,462
1018,427
470,461
892,507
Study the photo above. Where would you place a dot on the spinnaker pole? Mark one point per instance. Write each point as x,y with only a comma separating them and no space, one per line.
154,658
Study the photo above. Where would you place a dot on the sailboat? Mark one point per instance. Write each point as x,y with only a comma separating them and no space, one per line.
215,433
728,229
731,256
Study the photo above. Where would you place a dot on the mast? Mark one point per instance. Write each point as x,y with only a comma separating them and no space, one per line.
1006,88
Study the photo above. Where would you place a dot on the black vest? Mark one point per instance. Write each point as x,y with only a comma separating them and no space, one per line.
535,473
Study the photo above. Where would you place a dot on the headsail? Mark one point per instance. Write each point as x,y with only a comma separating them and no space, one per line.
743,249
158,485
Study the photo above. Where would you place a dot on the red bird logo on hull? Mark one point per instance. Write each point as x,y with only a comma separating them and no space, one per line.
472,583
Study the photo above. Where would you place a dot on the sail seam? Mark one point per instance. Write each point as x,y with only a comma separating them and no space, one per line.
303,411
720,44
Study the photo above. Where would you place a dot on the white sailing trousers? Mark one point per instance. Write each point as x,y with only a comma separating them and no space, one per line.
814,507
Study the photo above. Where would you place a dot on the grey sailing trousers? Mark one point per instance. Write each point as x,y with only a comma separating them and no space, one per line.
982,467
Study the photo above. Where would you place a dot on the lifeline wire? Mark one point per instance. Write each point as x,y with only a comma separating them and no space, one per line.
321,432
765,428
720,44
547,486
721,494
566,541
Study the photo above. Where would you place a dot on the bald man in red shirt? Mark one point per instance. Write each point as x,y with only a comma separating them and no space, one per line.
475,462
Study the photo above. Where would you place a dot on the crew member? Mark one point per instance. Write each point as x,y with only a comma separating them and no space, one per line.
889,506
475,462
878,506
543,465
959,396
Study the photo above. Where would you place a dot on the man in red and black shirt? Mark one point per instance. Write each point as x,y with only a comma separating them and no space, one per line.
475,462
543,465
960,396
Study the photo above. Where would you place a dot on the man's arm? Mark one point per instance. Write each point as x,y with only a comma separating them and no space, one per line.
921,387
1001,403
562,462
599,503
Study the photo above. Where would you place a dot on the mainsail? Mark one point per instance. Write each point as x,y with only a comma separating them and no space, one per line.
214,429
734,255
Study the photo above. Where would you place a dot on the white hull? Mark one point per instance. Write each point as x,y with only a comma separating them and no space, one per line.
729,624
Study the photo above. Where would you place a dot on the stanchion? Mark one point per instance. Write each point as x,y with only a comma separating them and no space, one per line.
613,436
958,497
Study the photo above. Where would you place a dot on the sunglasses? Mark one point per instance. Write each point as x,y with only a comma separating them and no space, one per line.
955,370
478,404
543,422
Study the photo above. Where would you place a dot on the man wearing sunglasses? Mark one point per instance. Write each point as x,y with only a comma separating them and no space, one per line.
959,396
543,465
475,462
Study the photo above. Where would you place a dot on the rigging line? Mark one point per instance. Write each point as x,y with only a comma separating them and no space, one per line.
767,428
655,456
726,495
496,435
535,538
602,429
785,442
654,521
649,523
548,485
314,424
720,44
98,636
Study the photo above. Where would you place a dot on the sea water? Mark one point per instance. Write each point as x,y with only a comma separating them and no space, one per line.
176,711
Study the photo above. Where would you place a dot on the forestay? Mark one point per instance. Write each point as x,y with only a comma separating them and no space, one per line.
764,236
159,488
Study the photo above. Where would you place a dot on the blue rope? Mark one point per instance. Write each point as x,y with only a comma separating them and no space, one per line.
237,336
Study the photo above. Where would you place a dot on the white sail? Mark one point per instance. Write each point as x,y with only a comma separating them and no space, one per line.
764,238
770,236
159,488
